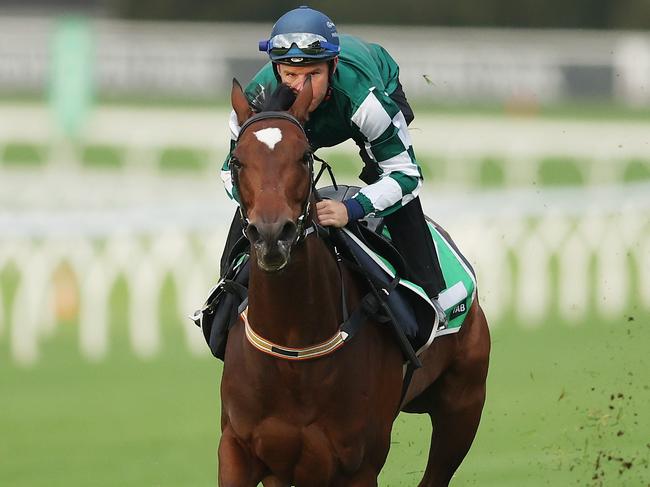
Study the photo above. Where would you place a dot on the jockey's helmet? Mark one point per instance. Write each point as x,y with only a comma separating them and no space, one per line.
302,36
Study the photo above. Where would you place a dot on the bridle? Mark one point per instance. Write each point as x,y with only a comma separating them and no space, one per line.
302,228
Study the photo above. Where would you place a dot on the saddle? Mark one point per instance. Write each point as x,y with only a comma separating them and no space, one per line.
369,229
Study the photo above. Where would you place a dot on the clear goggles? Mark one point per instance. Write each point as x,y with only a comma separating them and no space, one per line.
309,44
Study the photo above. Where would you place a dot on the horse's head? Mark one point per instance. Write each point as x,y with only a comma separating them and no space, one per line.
272,172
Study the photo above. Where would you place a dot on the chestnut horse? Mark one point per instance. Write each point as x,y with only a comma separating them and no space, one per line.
326,420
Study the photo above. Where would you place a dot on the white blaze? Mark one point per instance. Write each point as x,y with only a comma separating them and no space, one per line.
269,136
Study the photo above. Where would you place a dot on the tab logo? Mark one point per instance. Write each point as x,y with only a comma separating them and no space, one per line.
458,310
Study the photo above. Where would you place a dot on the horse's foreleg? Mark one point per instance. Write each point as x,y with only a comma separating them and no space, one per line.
236,467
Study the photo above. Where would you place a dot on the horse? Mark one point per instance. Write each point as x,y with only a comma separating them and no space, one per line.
321,412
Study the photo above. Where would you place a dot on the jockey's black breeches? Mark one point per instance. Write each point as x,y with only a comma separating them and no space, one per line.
411,236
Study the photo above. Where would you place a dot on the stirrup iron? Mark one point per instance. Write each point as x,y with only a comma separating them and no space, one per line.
442,317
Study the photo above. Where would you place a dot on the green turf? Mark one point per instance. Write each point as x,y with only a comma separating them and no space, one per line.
492,172
578,110
565,404
560,171
19,153
637,170
183,159
102,156
582,110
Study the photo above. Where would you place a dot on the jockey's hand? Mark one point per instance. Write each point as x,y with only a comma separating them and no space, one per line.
331,213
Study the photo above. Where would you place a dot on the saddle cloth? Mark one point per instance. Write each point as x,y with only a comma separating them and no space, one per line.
228,297
456,300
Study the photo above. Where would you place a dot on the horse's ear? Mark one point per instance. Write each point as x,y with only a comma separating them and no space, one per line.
240,103
300,108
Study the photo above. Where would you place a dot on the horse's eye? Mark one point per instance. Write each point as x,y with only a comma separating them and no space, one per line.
234,162
306,157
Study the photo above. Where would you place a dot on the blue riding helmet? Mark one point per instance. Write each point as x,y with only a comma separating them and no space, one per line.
302,36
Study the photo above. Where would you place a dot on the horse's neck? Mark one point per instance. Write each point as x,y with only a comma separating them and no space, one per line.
300,305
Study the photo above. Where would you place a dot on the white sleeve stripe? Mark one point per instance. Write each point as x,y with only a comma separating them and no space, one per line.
383,194
400,122
233,124
401,163
371,117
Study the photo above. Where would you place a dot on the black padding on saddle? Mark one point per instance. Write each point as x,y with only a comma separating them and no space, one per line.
381,245
240,247
345,193
341,194
222,309
392,296
368,229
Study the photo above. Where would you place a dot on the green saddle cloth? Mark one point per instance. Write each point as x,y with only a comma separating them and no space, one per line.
458,297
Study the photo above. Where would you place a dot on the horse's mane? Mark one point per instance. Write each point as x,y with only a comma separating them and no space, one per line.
279,101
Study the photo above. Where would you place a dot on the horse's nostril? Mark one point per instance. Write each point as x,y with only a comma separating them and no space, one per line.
271,234
253,233
288,232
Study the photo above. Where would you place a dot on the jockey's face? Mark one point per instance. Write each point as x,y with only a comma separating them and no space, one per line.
295,77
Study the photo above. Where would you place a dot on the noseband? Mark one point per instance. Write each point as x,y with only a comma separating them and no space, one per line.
235,165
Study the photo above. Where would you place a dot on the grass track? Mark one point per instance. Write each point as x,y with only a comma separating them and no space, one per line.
553,409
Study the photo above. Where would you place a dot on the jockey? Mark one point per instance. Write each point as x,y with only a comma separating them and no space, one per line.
356,95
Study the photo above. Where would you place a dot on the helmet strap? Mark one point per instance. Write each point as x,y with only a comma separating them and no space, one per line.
332,65
276,72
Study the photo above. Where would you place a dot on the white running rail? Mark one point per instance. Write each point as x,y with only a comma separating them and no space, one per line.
597,240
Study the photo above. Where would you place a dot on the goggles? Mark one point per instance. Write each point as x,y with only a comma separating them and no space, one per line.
309,44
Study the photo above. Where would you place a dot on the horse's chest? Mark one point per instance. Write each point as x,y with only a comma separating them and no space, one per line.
304,421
